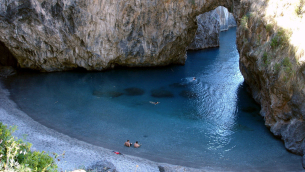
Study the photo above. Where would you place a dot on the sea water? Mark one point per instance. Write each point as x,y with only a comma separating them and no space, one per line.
206,121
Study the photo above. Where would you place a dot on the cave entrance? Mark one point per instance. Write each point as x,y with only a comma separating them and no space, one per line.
6,57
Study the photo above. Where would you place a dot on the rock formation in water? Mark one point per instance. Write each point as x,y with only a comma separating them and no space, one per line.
100,34
209,26
226,18
207,34
270,40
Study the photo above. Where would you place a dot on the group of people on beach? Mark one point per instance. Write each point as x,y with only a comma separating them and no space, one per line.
128,144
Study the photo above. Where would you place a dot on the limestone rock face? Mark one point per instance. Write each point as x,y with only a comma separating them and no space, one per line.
99,34
226,19
207,34
209,26
272,62
231,20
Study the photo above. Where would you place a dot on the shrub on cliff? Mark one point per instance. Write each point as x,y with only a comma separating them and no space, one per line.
281,38
15,155
269,28
287,66
244,21
299,8
266,59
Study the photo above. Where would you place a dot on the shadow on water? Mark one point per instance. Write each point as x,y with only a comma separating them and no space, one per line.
134,91
245,102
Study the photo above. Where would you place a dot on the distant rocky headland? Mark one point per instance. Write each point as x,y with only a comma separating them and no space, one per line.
97,35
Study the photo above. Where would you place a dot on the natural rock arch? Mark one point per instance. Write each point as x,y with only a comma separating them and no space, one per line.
96,35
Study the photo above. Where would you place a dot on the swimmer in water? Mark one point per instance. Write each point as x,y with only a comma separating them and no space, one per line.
127,143
194,78
155,103
136,145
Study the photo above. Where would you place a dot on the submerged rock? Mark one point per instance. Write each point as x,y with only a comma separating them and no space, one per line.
134,91
107,93
178,85
161,92
189,94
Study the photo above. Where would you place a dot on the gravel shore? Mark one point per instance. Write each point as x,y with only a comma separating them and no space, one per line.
78,154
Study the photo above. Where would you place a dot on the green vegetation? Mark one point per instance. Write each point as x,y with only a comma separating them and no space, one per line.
244,22
192,2
266,59
299,8
280,39
269,28
288,70
287,66
259,39
277,67
251,15
15,155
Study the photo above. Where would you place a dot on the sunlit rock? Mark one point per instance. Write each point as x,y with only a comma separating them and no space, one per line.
226,19
271,61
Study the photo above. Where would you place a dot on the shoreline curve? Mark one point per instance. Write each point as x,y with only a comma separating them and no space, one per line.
78,154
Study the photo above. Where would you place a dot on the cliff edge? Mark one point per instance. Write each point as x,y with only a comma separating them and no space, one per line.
270,40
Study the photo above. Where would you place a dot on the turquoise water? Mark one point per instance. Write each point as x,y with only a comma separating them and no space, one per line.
208,122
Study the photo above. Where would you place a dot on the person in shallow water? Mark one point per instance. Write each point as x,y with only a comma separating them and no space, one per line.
127,143
136,145
155,103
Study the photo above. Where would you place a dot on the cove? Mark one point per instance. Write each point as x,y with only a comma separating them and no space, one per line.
208,122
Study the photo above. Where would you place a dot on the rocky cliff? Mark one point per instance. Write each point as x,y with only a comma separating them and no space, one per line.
270,40
226,19
209,26
207,34
99,34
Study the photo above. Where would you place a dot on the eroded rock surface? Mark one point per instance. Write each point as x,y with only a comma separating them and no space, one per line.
99,34
207,34
210,24
226,19
272,62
